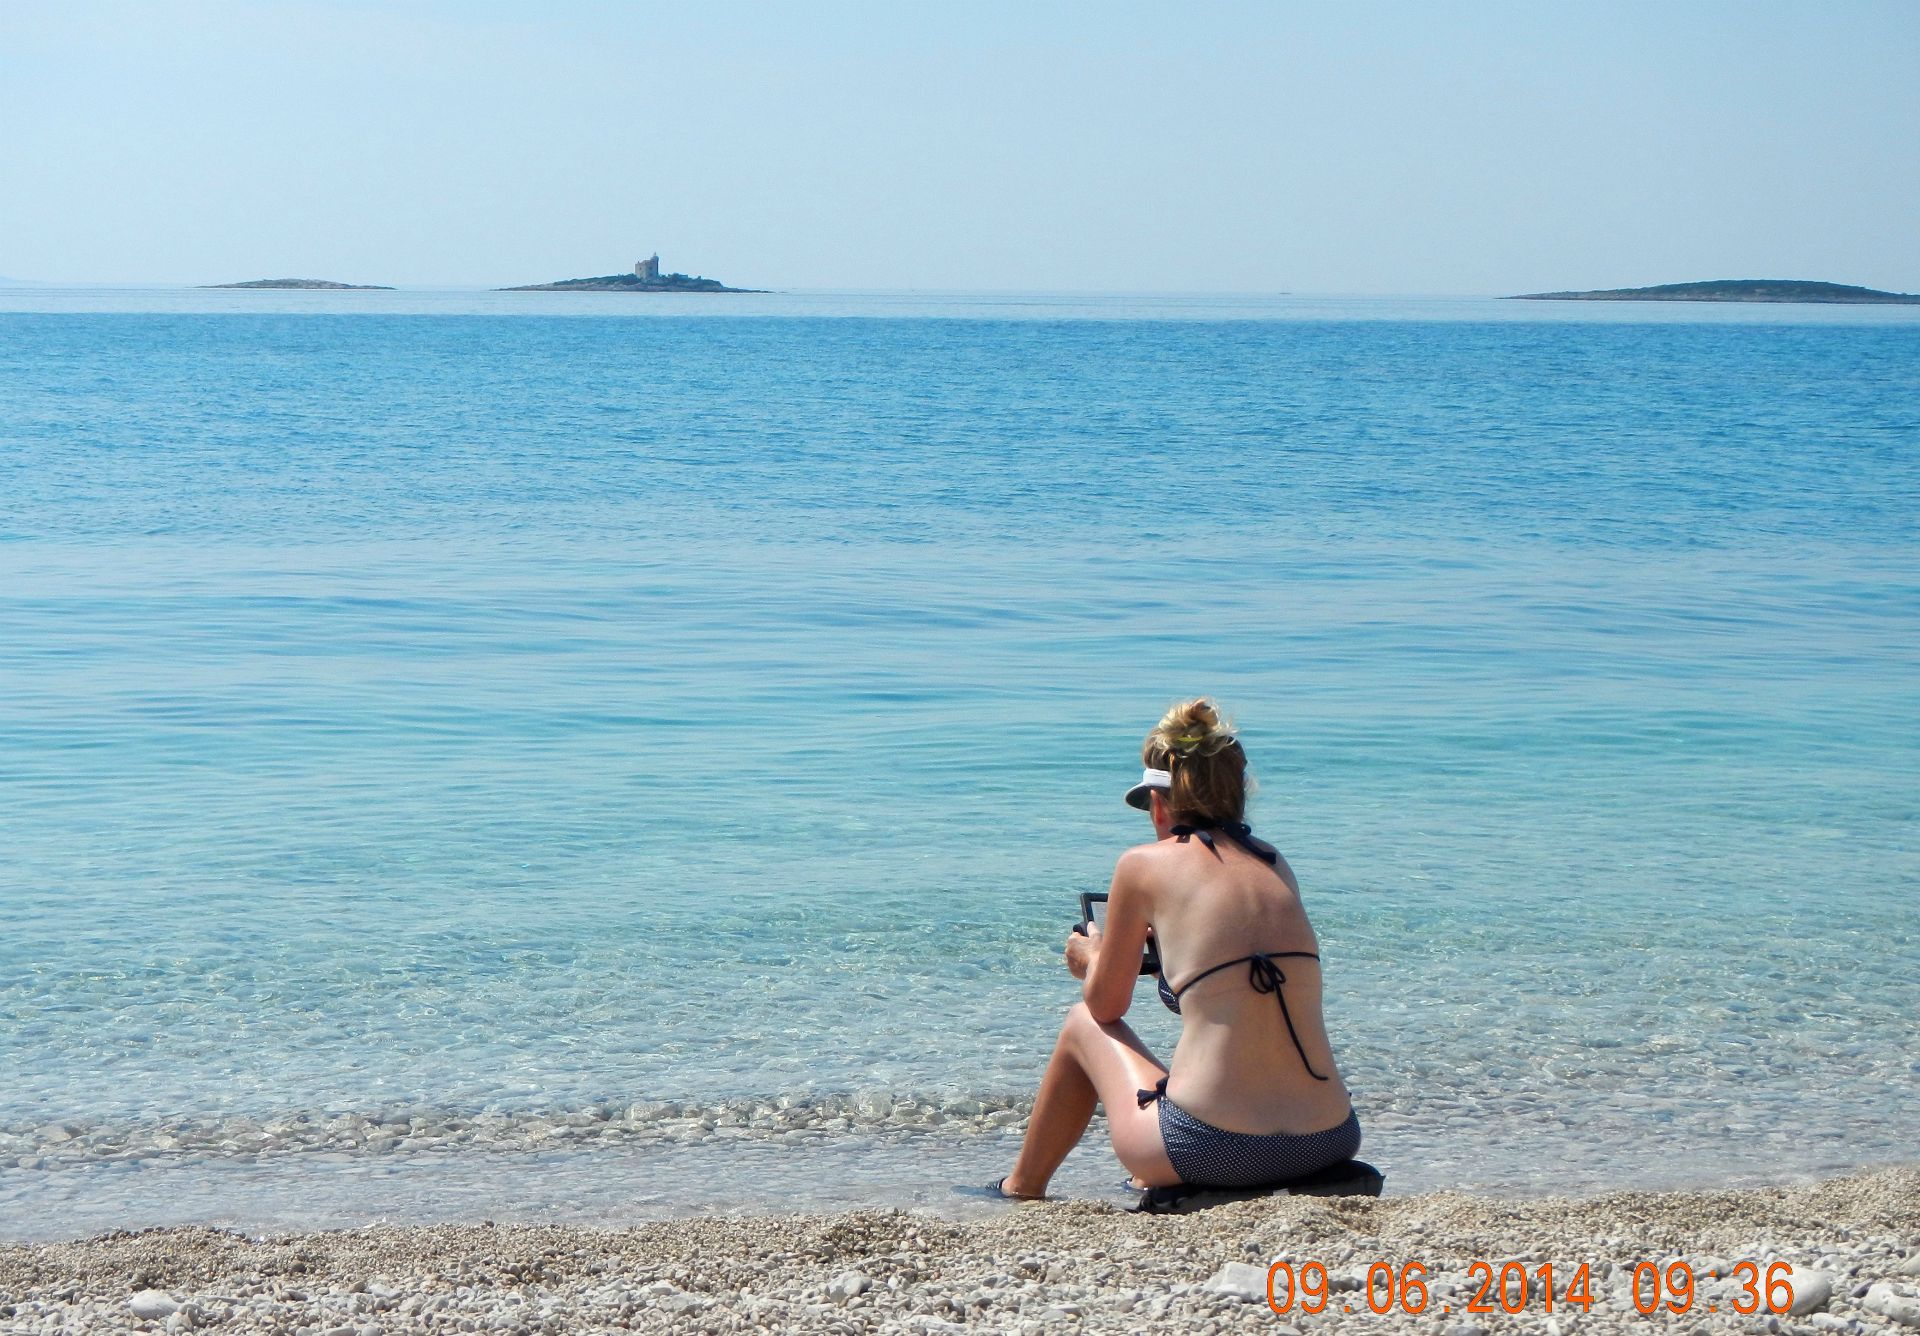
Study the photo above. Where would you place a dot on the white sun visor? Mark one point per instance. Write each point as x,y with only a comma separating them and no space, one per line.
1150,779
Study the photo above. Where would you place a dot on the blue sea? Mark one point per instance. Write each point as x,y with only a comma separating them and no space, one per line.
586,757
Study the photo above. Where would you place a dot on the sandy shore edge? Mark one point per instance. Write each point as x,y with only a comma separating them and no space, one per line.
1853,1245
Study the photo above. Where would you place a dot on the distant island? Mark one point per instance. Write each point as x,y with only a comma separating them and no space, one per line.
646,277
1730,290
320,283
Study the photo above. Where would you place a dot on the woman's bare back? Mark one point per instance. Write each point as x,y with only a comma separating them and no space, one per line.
1237,1066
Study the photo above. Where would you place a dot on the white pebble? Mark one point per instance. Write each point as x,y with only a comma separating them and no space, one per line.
1890,1303
1811,1291
847,1284
153,1304
1241,1280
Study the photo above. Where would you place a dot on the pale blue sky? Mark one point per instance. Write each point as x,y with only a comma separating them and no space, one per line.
1421,147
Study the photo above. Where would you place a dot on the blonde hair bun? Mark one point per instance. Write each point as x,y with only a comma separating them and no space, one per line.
1194,728
1209,768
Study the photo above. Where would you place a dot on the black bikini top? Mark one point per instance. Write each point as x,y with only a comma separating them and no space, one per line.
1262,974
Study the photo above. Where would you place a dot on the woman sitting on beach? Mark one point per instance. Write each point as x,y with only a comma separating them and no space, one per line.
1252,1095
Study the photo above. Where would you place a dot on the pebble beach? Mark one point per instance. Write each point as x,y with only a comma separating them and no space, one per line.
1850,1248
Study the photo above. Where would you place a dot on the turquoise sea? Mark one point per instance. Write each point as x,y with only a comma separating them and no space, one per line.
578,756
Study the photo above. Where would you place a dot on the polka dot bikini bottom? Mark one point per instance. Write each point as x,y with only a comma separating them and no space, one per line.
1207,1156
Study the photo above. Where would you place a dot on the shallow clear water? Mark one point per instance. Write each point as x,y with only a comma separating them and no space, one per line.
453,750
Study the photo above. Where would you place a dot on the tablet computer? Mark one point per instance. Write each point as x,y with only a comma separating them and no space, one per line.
1093,910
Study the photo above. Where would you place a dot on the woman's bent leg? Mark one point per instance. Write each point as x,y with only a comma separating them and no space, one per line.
1093,1064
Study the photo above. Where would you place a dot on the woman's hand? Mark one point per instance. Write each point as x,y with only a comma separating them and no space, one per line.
1083,948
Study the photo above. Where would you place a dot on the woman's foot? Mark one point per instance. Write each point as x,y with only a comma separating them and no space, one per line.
1006,1189
996,1191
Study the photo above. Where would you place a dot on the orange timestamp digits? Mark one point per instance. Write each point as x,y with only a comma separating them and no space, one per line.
1752,1292
1510,1287
1405,1287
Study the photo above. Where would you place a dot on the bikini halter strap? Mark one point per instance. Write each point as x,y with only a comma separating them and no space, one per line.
1237,831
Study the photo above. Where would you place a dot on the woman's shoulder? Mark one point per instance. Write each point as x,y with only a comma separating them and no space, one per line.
1151,854
1142,865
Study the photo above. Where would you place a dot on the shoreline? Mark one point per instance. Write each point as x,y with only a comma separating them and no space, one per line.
1028,1268
614,1173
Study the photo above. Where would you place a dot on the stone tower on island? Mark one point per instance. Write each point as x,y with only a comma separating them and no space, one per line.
648,270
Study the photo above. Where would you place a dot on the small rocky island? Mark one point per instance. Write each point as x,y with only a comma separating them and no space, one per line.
1731,290
306,284
646,277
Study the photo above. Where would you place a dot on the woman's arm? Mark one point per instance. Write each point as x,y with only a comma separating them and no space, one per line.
1115,966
